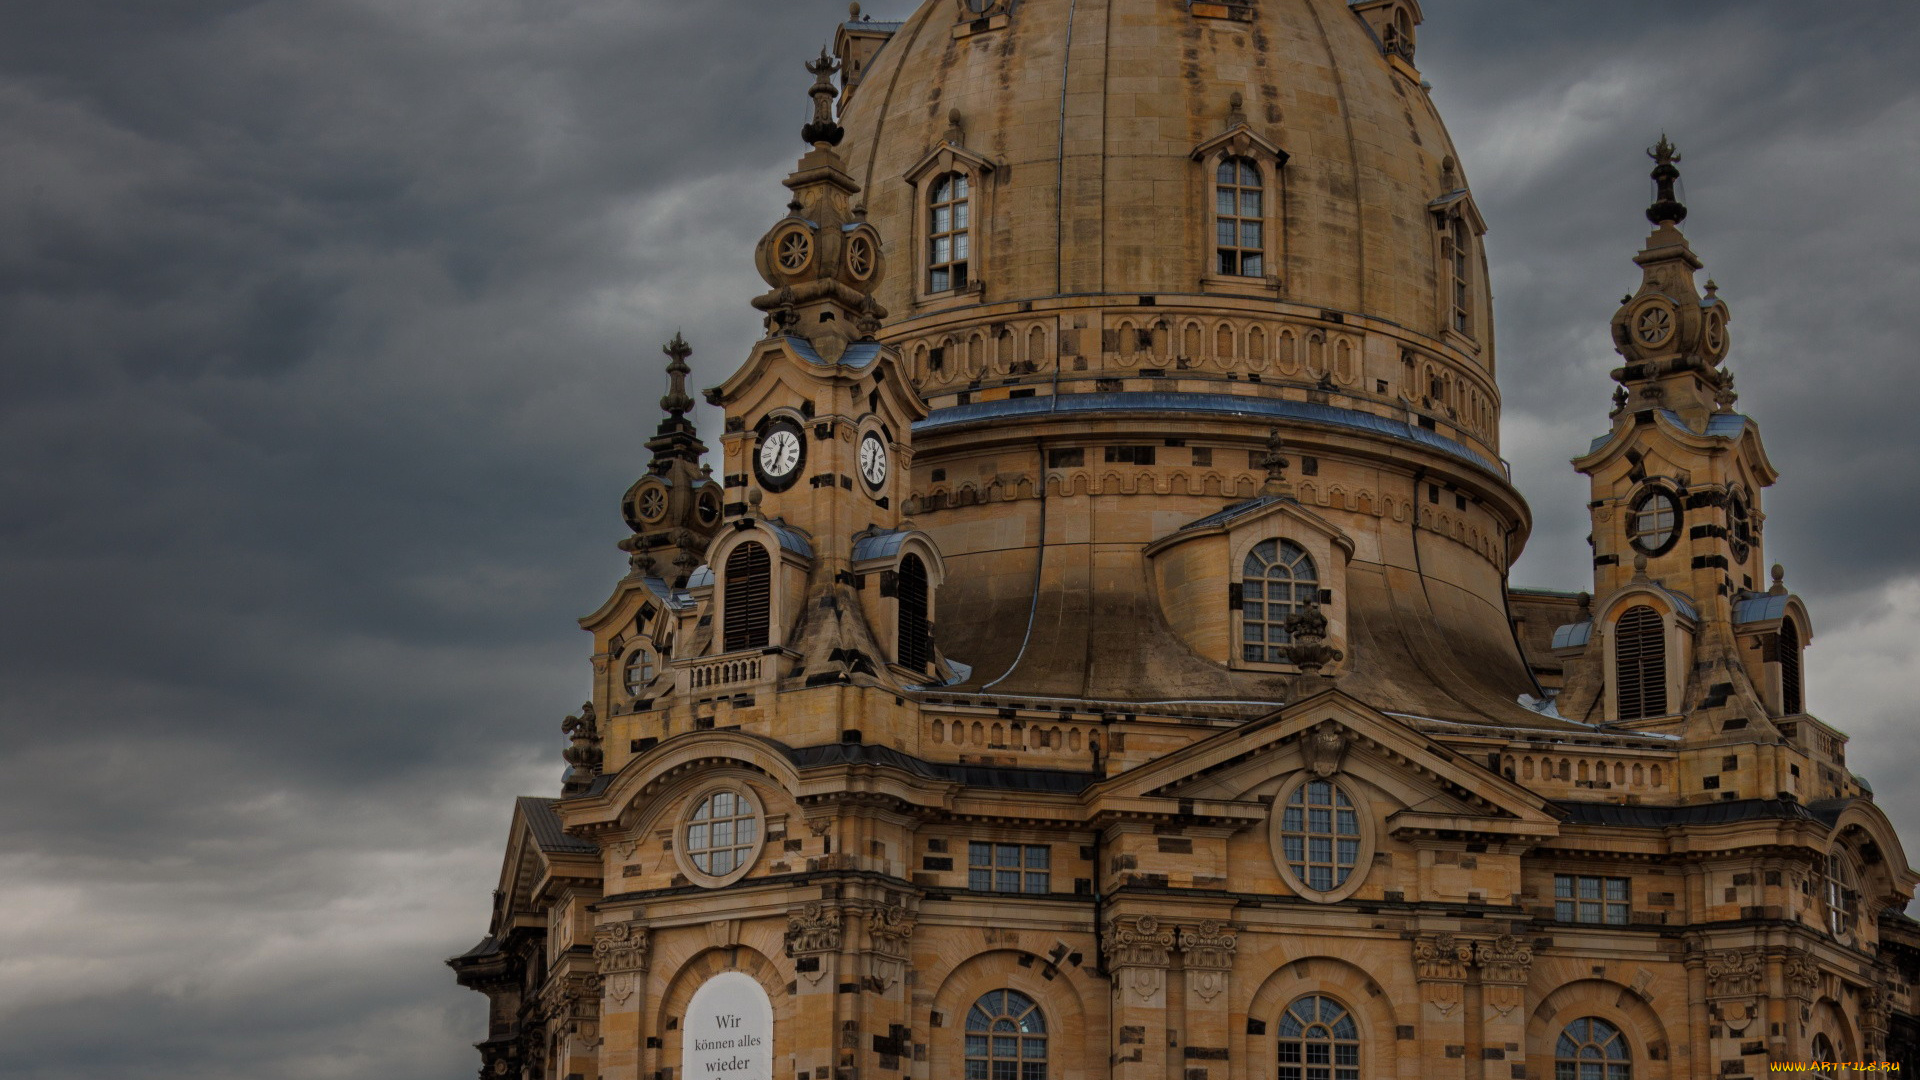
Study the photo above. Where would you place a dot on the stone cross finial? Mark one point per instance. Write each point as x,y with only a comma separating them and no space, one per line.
1666,210
677,402
821,130
1276,465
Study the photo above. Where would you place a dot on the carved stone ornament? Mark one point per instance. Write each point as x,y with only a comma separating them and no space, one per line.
1505,959
621,947
1138,949
815,928
1209,945
1874,1009
1324,747
621,987
1803,978
890,929
1739,973
1441,957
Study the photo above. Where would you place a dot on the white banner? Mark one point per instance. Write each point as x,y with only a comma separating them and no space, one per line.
728,1032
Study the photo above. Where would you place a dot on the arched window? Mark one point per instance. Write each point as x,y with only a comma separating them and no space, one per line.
1842,896
637,670
1823,1050
1739,527
1006,1038
1592,1049
1318,1041
1320,835
1459,244
916,634
1278,579
747,598
1790,702
1240,218
1640,663
949,226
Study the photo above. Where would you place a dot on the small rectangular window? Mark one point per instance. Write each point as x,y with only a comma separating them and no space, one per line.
1009,868
1202,455
1130,455
1582,899
1072,458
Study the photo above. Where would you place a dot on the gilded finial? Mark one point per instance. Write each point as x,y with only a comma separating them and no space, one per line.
821,130
677,402
1666,209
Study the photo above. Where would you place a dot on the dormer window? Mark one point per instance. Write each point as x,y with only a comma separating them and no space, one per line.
916,632
1789,646
637,670
949,227
1459,243
1240,218
746,598
1842,895
1278,579
1640,663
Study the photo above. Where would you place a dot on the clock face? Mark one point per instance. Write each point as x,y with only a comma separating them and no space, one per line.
779,459
873,460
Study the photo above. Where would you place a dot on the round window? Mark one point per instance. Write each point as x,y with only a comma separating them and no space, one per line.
1323,839
638,670
1654,525
721,836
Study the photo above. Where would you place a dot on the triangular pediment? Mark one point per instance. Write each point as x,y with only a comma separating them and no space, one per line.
948,157
1331,733
1251,513
1240,140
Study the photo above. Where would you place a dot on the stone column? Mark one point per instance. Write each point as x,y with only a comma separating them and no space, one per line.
1440,967
1505,965
815,932
620,952
1138,949
1207,954
886,1031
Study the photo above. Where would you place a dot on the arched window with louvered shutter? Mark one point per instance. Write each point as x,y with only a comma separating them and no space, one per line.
1790,701
747,597
1640,663
916,632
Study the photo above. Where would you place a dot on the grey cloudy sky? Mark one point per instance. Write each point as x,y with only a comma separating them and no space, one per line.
329,337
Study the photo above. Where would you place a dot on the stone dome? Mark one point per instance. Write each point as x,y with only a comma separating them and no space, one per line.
1129,239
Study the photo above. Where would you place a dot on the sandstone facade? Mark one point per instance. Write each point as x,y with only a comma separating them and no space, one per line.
1090,654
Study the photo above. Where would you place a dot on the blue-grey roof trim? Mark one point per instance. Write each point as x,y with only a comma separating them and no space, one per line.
701,577
879,545
858,355
1573,635
1237,510
1681,601
1762,608
1176,402
673,598
1005,778
792,540
1713,813
1719,425
544,824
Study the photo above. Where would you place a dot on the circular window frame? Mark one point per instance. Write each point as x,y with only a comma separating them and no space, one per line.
794,239
1647,495
856,243
740,789
1362,859
627,659
1713,334
1637,321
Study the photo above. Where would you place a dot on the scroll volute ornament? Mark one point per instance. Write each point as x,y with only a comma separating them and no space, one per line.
1325,747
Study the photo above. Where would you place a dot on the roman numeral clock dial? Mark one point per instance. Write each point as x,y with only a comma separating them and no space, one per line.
782,452
873,461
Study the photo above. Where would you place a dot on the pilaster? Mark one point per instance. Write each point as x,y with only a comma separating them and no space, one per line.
1138,950
1207,956
620,954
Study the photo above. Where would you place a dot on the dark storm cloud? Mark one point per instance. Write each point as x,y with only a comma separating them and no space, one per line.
328,340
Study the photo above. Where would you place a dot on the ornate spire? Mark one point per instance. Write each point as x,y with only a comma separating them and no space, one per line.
1666,210
677,403
821,131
